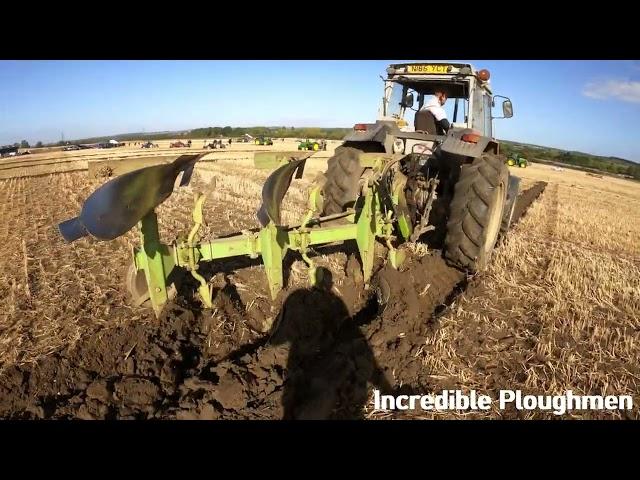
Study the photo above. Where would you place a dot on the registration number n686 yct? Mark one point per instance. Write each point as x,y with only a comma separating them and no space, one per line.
428,68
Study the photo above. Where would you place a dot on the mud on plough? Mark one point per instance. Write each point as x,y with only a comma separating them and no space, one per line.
130,200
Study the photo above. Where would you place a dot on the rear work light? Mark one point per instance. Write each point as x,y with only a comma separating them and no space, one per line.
360,127
471,137
484,75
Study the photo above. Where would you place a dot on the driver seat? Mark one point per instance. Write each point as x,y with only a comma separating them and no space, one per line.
424,121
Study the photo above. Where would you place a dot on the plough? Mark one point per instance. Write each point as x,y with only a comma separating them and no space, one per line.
130,200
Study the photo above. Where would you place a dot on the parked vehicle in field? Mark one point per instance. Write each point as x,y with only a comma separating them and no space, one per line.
313,145
261,140
517,159
180,144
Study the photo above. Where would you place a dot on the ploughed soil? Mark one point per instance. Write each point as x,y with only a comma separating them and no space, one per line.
325,350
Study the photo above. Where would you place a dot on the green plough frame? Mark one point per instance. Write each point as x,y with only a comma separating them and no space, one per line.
366,222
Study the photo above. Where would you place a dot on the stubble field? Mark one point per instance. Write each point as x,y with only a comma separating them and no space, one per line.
558,309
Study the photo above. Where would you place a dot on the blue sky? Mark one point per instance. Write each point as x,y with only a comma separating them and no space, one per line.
591,106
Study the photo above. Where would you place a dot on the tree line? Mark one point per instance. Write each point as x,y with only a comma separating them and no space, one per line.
583,160
213,132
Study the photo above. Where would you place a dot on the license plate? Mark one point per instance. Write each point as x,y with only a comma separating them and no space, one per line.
428,68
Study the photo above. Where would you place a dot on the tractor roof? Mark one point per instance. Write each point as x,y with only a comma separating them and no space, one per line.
428,77
431,68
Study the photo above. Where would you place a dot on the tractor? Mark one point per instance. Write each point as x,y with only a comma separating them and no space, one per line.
388,184
215,144
312,145
180,144
263,141
517,159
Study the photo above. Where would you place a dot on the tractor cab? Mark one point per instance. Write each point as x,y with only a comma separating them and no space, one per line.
469,97
408,88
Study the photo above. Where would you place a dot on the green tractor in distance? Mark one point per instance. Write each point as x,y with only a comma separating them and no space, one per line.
263,141
517,159
312,145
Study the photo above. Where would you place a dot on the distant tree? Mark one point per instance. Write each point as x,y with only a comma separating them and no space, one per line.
24,144
16,145
39,144
226,131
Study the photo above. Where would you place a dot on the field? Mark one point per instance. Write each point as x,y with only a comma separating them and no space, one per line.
559,309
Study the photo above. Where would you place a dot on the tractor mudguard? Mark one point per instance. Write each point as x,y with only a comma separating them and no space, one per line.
274,190
375,132
118,205
454,144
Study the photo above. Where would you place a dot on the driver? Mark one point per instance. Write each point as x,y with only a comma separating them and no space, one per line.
436,123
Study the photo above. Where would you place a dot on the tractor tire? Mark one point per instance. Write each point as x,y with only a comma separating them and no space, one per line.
476,213
343,178
511,163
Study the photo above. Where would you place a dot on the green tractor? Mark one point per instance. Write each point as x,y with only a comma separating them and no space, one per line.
263,141
384,186
517,159
312,145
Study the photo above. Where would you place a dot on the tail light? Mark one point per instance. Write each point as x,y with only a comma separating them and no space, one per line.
361,127
471,137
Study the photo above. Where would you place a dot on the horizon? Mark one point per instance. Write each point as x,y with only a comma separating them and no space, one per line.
115,135
557,104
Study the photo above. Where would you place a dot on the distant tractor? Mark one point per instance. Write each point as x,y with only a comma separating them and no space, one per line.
263,141
517,159
180,144
215,144
312,145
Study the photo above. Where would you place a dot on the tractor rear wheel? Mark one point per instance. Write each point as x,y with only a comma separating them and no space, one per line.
476,213
343,178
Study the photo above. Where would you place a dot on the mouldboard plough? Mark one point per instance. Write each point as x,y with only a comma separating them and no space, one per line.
130,200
